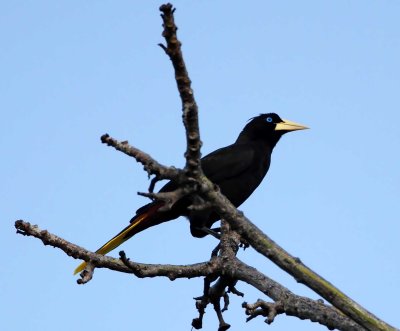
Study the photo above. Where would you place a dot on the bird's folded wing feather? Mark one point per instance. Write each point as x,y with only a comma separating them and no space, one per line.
227,162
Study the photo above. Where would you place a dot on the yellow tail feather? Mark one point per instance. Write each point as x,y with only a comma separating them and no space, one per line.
115,242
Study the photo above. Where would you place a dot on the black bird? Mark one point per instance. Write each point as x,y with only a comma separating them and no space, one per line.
237,169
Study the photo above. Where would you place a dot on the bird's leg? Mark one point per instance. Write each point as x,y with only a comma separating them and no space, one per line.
215,251
210,232
153,184
217,229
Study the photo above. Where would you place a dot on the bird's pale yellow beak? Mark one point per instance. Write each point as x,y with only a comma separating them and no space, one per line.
287,125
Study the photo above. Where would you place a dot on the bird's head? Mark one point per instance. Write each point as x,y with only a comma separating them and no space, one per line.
268,127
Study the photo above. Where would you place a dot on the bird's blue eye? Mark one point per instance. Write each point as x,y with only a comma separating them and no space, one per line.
269,119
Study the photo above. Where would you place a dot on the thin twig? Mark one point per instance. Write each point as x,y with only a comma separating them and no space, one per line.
189,105
151,166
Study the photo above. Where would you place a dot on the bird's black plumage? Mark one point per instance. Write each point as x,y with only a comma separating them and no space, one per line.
238,169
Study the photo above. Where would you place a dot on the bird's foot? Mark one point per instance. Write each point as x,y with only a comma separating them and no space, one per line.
243,243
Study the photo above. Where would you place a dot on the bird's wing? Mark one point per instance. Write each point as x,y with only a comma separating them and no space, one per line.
227,162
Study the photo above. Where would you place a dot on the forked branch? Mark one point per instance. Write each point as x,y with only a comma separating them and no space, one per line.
223,264
224,268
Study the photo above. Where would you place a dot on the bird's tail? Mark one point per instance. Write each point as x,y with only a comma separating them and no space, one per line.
141,221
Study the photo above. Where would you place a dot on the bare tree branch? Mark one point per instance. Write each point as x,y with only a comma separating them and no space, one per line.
189,106
263,308
226,265
151,166
267,247
224,268
70,249
260,242
292,304
140,270
173,272
285,301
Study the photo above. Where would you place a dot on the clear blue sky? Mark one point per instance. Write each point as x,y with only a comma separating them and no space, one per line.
71,71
